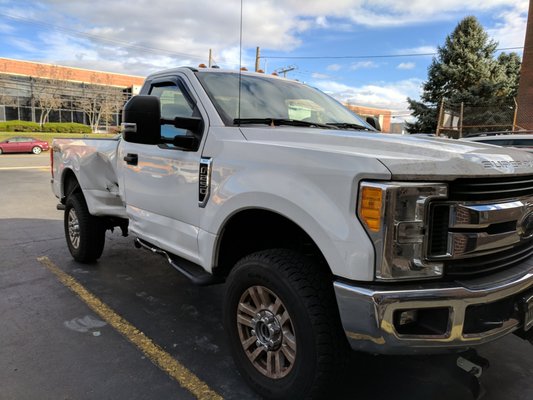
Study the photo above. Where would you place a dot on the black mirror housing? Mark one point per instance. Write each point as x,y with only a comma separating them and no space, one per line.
187,142
142,120
193,124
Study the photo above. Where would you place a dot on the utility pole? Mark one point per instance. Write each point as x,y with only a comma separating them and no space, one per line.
210,62
285,70
257,58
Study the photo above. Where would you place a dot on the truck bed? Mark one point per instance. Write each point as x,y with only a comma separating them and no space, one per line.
93,162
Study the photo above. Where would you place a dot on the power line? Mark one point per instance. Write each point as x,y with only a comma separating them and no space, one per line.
367,56
284,70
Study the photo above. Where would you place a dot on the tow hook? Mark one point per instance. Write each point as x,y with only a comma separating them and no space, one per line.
474,365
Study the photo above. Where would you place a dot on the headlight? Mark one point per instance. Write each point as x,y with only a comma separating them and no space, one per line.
395,215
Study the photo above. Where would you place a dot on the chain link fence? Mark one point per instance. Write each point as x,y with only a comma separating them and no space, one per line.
462,119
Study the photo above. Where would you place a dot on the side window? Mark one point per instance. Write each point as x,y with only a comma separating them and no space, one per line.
522,142
499,142
174,103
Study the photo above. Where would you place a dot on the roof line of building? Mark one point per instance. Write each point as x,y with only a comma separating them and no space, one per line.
348,105
78,68
71,80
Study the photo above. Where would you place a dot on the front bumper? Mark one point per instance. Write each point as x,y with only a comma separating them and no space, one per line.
369,314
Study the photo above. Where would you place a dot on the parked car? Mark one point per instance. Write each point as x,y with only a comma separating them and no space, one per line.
23,145
522,142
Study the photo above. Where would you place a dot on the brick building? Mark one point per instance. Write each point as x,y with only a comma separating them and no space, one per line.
384,116
31,91
524,115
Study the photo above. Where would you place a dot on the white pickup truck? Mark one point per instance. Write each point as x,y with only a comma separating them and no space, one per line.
327,232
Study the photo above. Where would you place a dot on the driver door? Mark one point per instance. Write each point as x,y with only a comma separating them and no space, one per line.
161,184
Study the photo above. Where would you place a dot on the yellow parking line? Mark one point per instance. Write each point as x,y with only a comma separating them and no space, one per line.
155,353
43,167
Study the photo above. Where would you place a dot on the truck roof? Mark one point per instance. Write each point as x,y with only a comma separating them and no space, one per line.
211,70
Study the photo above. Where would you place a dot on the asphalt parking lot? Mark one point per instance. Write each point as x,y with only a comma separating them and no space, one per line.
53,345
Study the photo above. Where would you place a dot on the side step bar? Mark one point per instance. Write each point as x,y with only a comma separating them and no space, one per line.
194,272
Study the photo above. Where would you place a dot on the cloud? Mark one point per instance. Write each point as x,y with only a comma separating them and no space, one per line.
229,58
6,28
322,22
390,13
334,67
406,65
363,65
510,31
429,50
316,75
388,95
22,44
182,31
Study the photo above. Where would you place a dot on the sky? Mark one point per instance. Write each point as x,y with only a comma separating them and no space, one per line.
365,52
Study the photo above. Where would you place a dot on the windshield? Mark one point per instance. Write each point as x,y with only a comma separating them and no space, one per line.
266,99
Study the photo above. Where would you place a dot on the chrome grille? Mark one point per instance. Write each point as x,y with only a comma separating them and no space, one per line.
477,232
484,189
489,263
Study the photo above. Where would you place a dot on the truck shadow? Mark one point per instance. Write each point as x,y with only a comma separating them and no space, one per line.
405,377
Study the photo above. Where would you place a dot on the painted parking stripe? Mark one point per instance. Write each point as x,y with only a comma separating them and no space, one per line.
155,353
43,167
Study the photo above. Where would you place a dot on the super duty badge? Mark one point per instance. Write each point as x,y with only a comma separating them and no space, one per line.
204,181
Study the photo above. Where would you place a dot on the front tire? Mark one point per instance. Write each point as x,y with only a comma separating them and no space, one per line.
283,325
36,150
84,232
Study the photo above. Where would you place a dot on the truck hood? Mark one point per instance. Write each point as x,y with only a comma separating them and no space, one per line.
405,157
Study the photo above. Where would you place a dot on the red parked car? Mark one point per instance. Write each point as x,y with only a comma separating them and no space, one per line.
23,145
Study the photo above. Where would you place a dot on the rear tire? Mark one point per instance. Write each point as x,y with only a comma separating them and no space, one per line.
36,150
0,151
84,232
283,325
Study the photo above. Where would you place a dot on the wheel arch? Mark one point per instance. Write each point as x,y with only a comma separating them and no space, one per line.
69,184
249,230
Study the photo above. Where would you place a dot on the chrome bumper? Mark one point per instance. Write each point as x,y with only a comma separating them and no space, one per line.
367,312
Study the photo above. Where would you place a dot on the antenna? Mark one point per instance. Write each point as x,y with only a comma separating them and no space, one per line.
240,68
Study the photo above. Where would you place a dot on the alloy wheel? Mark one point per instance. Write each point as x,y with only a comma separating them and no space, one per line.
266,332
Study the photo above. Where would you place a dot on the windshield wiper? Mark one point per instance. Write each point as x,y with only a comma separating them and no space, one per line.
347,125
280,121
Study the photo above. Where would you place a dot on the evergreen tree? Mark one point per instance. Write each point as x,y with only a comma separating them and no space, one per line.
510,66
465,71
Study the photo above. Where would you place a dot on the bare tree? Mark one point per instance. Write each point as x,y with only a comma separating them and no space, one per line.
101,102
47,92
